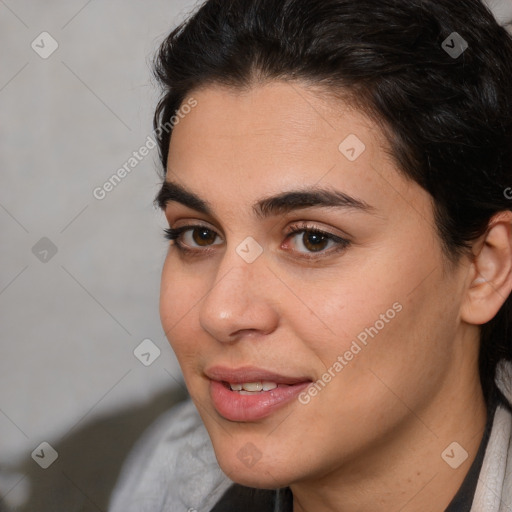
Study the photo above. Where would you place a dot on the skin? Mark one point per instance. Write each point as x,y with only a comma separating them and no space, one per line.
372,439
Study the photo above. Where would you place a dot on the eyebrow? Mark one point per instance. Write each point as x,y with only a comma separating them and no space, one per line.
274,205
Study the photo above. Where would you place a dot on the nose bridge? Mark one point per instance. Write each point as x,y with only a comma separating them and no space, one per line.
242,267
237,300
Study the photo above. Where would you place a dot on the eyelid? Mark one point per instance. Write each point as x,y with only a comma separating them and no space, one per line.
175,233
297,227
341,243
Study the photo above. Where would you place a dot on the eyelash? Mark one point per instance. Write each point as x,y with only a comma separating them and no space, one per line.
172,234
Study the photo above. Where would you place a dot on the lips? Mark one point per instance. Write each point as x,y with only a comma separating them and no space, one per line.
250,393
250,374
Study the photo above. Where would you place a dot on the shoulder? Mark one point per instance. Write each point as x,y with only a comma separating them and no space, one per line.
172,467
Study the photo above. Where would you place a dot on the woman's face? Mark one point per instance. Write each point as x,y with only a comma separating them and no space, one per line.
367,311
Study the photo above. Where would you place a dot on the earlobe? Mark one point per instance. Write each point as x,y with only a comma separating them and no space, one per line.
490,276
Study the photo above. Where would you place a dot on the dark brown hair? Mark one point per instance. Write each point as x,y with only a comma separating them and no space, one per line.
447,117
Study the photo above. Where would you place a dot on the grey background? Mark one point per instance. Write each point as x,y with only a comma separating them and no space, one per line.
68,375
70,324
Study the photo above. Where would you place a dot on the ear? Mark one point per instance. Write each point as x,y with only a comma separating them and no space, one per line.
490,273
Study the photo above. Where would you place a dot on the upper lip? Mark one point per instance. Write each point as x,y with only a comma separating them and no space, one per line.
249,374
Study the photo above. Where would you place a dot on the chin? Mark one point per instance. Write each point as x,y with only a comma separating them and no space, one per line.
245,468
257,477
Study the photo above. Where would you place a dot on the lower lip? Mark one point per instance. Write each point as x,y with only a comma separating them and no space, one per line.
236,407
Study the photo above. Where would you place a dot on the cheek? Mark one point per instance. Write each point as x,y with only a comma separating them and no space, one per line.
177,309
169,305
340,309
180,290
394,318
396,351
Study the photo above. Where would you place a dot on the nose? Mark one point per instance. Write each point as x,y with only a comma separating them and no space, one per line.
241,300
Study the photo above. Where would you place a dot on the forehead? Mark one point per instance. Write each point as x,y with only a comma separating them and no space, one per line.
279,115
280,135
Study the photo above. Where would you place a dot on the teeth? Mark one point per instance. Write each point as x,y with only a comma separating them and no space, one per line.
252,386
248,388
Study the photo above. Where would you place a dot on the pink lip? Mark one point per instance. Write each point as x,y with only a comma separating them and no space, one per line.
236,407
249,374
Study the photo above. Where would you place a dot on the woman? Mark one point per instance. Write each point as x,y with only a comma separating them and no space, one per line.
337,284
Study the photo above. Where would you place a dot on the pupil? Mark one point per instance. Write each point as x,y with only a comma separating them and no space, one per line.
312,240
204,235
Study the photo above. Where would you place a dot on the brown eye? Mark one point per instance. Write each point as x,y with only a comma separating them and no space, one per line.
190,238
203,236
314,241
